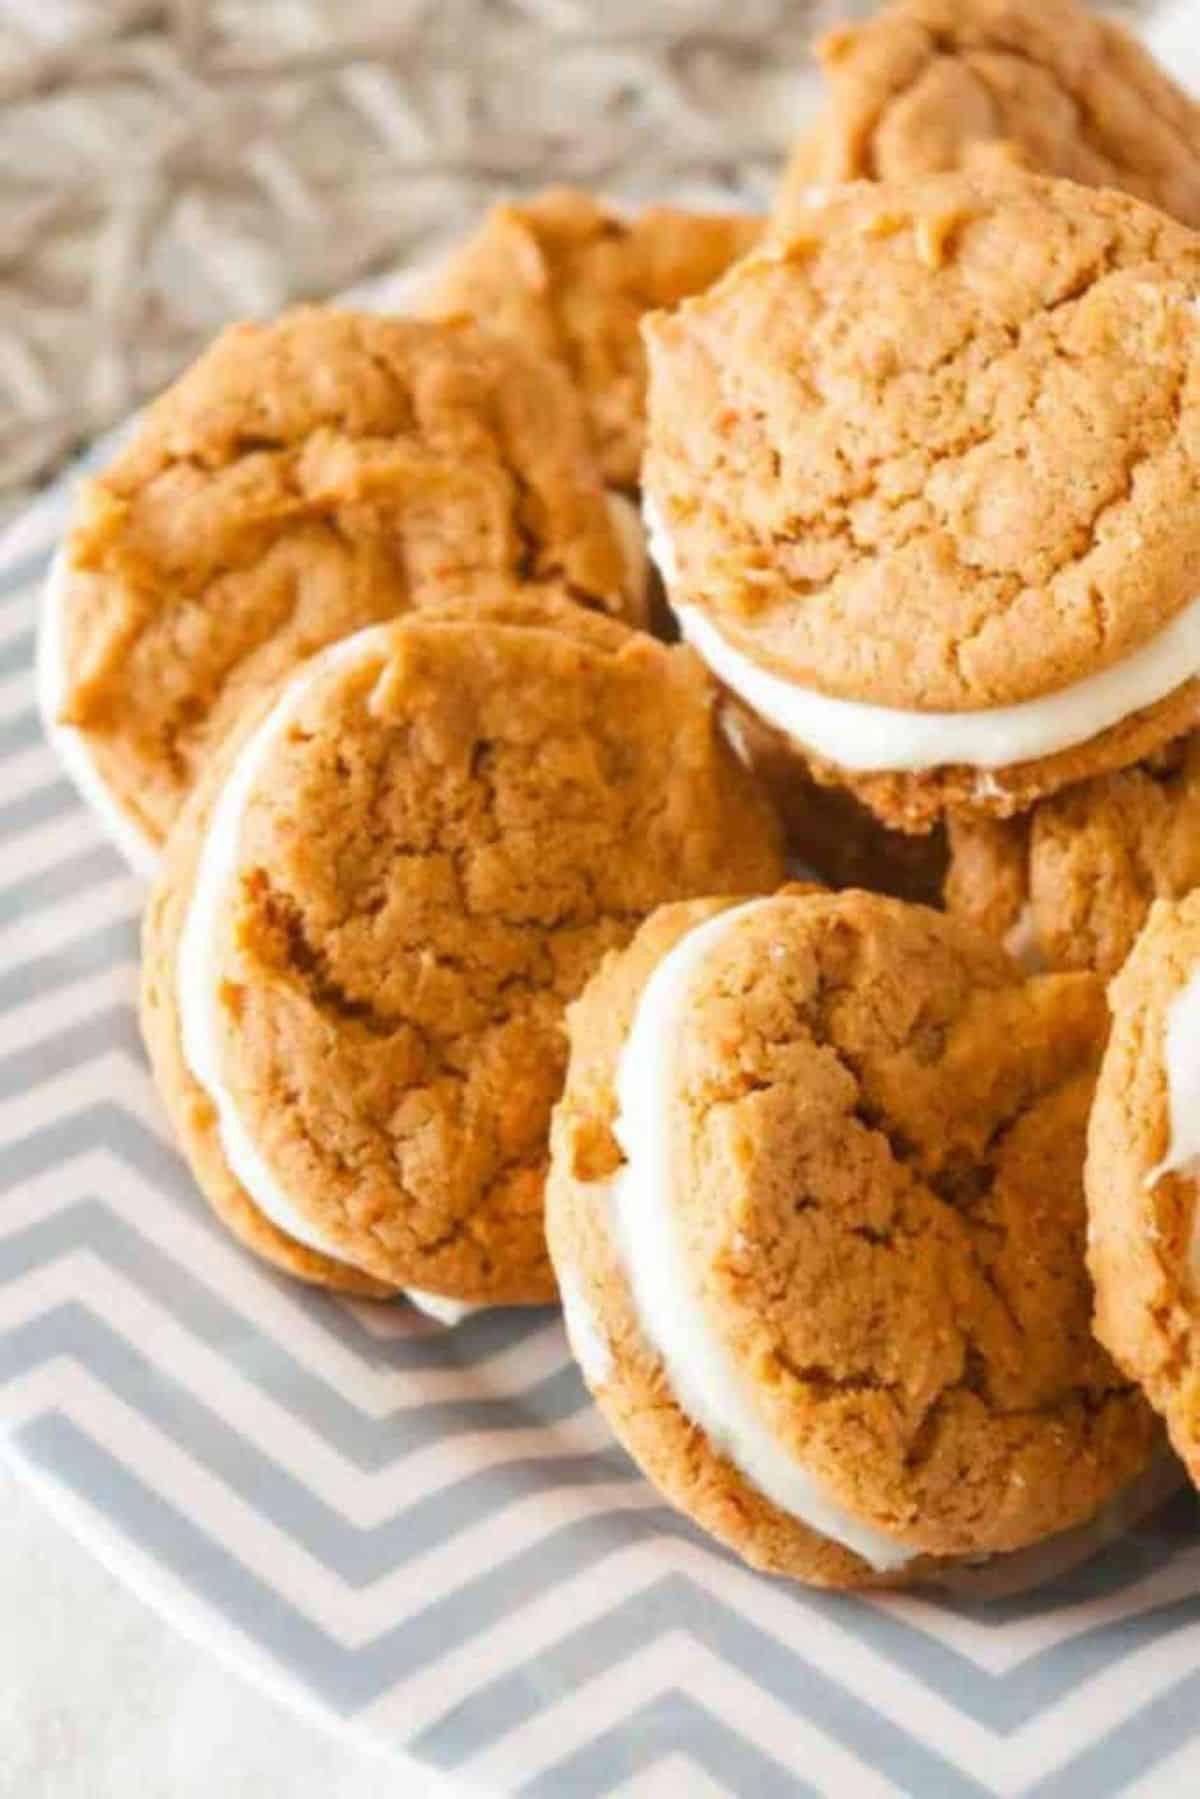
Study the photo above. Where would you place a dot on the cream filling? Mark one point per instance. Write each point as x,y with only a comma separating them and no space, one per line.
443,1311
1181,1058
1183,1077
589,1345
197,991
868,739
706,1382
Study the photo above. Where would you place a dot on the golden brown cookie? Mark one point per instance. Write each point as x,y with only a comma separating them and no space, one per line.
376,904
931,85
1143,1173
1072,880
831,833
573,279
816,1210
303,479
925,488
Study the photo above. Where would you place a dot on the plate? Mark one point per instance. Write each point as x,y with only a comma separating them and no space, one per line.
426,1535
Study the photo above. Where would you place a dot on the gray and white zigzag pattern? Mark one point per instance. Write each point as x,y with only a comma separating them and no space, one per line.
427,1532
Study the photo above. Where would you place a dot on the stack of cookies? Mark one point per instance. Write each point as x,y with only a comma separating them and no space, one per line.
471,973
347,638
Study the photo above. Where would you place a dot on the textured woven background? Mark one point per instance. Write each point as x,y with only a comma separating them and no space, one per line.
166,166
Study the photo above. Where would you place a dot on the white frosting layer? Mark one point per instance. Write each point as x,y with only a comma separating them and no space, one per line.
444,1311
1181,1059
1183,1076
72,746
661,546
197,991
705,1380
589,1345
870,739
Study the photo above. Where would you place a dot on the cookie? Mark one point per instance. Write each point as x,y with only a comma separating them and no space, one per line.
376,903
1143,1173
816,1210
924,485
928,86
303,479
1071,881
829,832
573,279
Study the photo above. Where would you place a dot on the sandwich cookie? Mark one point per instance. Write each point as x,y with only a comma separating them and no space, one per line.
302,480
1143,1173
924,487
375,906
1070,883
816,1204
573,279
927,86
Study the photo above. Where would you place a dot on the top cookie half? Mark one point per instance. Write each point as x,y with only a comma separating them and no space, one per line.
302,480
925,484
932,85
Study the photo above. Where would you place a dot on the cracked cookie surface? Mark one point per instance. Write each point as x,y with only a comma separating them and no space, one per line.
573,279
303,479
930,85
1074,878
878,1142
1141,1200
457,824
